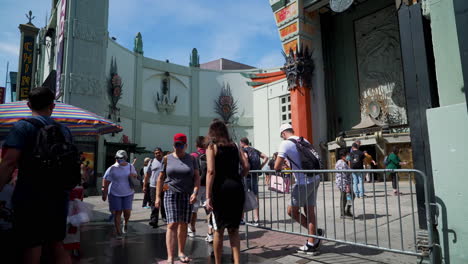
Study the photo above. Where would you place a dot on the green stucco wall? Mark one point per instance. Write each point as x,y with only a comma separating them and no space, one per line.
448,127
446,51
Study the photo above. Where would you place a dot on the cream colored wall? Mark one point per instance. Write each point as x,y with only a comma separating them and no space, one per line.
267,118
159,135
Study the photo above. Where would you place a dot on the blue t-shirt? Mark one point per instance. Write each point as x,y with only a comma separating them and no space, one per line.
119,175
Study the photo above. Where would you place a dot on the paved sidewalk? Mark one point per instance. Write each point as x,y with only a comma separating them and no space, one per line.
142,244
147,245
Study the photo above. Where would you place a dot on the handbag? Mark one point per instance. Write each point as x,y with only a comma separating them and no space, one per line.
132,181
250,202
280,184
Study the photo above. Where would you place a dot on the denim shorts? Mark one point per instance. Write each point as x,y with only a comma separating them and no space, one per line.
251,183
120,203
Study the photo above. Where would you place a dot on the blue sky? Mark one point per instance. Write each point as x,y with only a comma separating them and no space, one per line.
242,30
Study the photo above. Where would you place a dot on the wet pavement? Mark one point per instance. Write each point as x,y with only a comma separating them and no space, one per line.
142,243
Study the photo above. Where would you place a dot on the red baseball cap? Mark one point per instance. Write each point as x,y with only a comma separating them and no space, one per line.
180,137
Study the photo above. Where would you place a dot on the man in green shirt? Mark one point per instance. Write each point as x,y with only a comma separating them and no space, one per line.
394,163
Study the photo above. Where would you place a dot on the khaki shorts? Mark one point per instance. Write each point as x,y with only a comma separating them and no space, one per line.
303,195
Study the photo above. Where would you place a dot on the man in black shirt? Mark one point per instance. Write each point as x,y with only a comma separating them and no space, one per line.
40,208
357,159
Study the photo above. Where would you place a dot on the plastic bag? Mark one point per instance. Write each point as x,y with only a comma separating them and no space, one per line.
79,212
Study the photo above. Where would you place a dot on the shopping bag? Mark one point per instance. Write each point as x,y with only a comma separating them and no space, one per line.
79,212
250,202
280,184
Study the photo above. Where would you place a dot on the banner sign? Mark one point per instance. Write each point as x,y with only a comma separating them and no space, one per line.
286,13
286,31
25,80
290,45
61,26
2,95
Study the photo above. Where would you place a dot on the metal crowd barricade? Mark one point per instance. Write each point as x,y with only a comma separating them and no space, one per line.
379,220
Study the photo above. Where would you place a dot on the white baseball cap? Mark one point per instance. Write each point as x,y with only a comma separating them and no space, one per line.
121,154
285,127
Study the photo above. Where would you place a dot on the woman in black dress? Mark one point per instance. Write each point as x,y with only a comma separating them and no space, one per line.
224,188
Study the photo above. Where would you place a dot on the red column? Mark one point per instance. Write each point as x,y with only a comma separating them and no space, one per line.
301,115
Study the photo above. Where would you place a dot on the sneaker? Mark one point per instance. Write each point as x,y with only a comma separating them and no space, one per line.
147,207
190,232
255,223
124,229
119,236
318,242
242,222
308,249
209,238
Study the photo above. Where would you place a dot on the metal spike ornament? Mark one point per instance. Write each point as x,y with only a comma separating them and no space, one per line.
114,91
225,106
299,68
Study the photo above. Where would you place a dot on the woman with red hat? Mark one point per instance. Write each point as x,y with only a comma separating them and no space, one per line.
180,173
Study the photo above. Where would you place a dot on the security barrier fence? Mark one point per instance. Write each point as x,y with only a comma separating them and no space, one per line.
382,219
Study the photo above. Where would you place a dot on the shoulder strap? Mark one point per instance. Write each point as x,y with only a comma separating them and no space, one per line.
165,162
295,142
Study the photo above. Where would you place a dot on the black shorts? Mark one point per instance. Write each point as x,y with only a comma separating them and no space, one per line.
40,221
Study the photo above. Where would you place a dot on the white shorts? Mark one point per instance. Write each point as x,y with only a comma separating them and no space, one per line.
201,198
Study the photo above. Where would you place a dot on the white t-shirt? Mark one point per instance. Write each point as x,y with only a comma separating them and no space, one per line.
288,150
119,177
156,167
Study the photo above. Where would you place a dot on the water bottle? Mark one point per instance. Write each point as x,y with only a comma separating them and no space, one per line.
348,196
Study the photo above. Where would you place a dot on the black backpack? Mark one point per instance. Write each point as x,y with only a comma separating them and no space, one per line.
254,158
310,159
202,167
53,158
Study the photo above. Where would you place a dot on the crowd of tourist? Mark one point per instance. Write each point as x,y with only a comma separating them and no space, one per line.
175,184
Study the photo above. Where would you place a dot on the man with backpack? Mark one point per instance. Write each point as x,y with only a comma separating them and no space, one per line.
200,155
254,157
48,168
302,156
357,163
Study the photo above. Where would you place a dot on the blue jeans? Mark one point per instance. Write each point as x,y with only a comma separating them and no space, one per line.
358,185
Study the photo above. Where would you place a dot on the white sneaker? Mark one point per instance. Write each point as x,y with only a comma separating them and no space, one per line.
209,238
124,229
190,232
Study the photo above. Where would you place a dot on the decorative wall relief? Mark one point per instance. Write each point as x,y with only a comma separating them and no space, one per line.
380,68
88,32
164,102
114,91
225,106
299,68
85,85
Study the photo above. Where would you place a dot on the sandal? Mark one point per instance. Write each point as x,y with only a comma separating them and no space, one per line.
184,259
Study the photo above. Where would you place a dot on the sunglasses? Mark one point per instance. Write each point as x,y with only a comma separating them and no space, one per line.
179,145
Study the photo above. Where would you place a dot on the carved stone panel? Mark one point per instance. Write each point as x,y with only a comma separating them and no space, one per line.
86,85
380,68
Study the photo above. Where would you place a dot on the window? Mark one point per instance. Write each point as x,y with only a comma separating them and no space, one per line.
285,107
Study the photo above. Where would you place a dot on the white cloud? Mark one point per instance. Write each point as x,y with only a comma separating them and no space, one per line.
9,48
